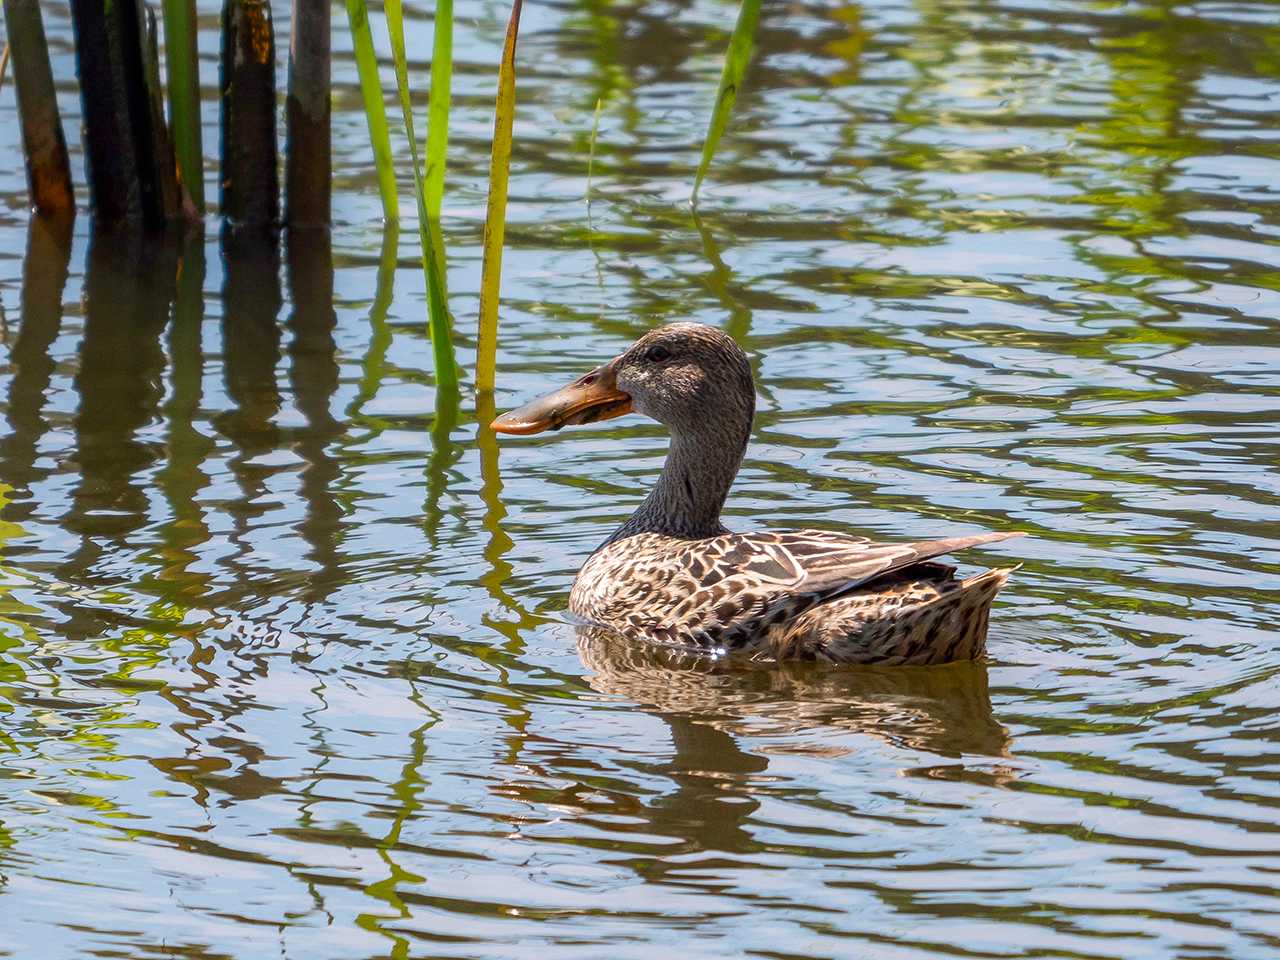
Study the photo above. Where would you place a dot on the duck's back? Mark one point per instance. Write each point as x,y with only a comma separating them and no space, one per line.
807,594
914,617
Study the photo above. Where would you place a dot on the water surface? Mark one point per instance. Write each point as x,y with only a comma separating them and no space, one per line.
284,669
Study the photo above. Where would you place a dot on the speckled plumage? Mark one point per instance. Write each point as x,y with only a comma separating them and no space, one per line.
804,594
673,574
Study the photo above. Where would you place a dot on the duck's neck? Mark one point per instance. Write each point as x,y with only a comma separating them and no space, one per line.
690,493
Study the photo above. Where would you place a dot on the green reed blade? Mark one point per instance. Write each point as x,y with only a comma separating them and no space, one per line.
428,233
174,202
375,111
495,225
735,66
182,64
438,106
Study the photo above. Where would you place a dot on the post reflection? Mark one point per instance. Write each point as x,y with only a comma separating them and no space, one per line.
215,766
251,302
44,277
129,288
313,377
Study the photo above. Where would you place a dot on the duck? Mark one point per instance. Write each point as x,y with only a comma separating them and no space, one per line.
673,575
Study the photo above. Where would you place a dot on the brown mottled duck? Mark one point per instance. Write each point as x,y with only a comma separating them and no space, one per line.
673,574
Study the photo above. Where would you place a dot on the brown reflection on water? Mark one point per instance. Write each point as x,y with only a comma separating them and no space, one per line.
44,276
726,725
944,711
710,801
313,377
251,339
130,283
183,478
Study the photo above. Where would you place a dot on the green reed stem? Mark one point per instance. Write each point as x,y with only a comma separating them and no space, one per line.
735,66
495,225
438,106
375,110
173,201
183,67
428,233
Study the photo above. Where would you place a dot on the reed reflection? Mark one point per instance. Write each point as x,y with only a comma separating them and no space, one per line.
213,767
373,366
404,808
44,277
499,542
517,618
183,478
718,281
445,453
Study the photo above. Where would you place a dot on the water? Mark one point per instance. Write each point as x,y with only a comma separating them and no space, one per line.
284,669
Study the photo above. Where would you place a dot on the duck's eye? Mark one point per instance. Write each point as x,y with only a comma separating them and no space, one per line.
657,353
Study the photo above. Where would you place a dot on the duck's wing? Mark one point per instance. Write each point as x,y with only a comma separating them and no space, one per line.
737,586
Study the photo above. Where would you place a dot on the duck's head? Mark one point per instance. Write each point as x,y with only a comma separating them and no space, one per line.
684,375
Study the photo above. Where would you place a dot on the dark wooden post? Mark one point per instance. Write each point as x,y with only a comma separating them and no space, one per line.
48,172
250,180
307,163
110,161
127,176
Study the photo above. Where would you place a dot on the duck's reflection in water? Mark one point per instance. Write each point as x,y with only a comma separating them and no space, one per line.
944,711
729,722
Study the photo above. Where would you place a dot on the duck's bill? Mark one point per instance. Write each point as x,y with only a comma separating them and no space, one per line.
591,398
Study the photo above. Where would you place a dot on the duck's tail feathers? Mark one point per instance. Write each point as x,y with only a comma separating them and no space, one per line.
991,580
